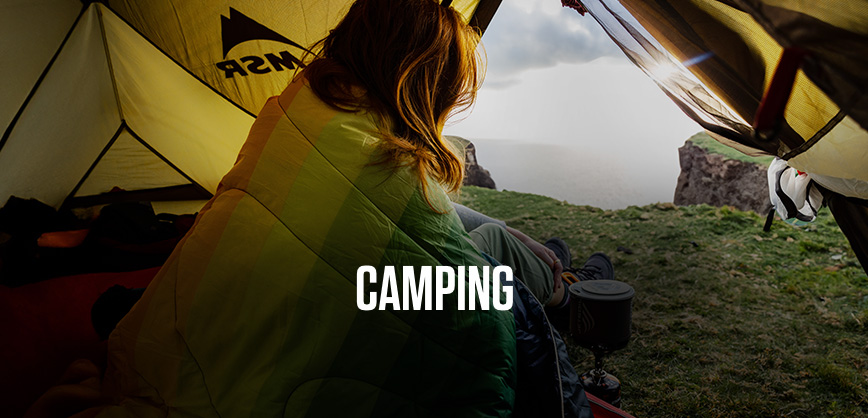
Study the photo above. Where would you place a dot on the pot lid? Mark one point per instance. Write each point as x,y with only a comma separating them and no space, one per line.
607,290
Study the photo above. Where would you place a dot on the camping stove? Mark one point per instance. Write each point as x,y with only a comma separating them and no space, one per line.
602,384
600,319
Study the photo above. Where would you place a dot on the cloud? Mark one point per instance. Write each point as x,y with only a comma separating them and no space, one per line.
497,82
534,34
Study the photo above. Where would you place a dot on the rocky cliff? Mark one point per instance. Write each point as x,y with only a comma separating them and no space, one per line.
718,180
474,174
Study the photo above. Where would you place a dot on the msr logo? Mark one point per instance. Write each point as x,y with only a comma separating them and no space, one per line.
237,29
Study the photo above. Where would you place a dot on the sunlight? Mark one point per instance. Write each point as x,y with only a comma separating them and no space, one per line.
663,72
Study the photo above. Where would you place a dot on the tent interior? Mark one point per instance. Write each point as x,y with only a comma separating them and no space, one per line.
118,101
149,101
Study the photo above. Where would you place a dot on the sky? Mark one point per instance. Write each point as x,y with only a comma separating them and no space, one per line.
564,113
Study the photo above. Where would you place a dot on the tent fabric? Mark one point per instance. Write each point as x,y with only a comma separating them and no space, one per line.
113,111
143,169
66,123
181,119
716,60
184,79
44,23
304,185
847,146
248,51
835,35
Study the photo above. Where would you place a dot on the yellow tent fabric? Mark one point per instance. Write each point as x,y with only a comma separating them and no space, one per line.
113,111
718,59
247,50
152,97
30,33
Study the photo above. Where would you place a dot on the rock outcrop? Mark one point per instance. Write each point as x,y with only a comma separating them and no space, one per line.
474,174
716,180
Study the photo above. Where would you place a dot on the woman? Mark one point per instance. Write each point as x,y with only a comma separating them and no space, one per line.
255,313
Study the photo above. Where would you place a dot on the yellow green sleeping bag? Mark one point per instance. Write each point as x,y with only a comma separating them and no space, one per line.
255,315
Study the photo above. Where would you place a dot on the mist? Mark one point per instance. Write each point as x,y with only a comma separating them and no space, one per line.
598,133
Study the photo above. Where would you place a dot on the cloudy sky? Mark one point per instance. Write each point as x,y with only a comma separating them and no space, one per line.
564,113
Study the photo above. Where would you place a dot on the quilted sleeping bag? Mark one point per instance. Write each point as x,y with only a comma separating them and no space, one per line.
255,313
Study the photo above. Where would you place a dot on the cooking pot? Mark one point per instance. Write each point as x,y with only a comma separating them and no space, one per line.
601,314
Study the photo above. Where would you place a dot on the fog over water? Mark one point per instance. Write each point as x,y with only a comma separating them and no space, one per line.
564,113
599,134
580,176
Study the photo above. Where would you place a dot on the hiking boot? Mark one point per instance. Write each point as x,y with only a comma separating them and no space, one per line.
561,250
598,267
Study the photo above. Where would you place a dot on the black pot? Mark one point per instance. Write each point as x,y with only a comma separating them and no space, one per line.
600,314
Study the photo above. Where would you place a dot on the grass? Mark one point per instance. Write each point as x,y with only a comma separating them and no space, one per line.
703,140
728,320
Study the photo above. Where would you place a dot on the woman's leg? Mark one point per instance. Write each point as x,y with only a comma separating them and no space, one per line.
493,240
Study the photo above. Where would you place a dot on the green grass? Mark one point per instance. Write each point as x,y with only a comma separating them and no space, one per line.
728,321
705,141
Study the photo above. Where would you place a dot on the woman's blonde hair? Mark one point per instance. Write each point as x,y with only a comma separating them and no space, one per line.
417,64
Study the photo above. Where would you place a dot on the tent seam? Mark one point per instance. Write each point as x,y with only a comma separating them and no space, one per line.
219,93
87,173
820,134
108,58
165,160
39,81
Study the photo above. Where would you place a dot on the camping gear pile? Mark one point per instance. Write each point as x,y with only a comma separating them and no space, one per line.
38,242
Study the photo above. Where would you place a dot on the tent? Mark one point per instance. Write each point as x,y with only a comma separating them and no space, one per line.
114,100
155,97
150,99
765,77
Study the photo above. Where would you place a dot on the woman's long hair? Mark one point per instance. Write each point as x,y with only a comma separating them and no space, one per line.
416,64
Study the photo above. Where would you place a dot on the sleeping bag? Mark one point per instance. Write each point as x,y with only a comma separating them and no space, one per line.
254,314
